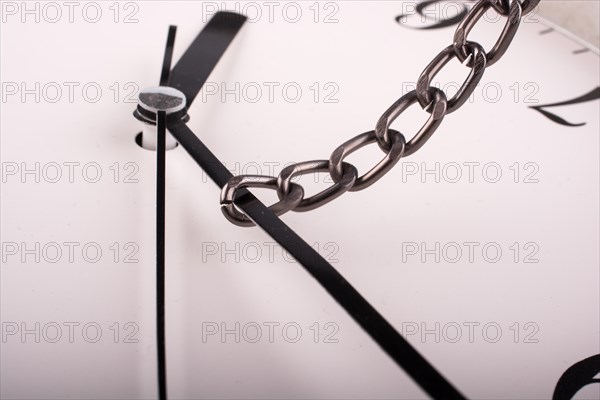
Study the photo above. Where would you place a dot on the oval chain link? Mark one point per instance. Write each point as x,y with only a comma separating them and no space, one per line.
375,173
341,186
391,142
508,33
229,191
438,110
424,82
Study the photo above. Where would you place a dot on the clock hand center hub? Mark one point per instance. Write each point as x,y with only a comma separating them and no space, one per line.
152,100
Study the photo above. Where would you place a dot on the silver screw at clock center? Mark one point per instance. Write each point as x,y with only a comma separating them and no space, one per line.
154,99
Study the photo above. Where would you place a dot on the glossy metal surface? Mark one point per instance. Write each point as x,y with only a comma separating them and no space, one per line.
281,207
374,174
462,95
341,186
508,32
392,142
438,110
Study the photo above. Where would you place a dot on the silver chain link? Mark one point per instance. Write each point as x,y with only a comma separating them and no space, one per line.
391,142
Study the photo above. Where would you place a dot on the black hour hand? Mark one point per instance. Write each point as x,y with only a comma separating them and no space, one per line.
193,68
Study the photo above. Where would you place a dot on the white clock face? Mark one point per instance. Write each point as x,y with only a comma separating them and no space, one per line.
481,249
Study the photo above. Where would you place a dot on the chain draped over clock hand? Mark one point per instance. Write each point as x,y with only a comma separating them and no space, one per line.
391,142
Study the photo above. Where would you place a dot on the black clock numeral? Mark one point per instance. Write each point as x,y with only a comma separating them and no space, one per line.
576,377
593,95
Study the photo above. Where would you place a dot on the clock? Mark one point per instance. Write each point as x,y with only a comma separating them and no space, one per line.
470,269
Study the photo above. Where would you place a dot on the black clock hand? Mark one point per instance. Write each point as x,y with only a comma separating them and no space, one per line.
161,138
380,330
196,64
161,121
165,74
189,75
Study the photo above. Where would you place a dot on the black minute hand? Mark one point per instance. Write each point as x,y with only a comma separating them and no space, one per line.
196,64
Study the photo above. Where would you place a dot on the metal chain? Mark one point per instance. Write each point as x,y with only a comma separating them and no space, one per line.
391,142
